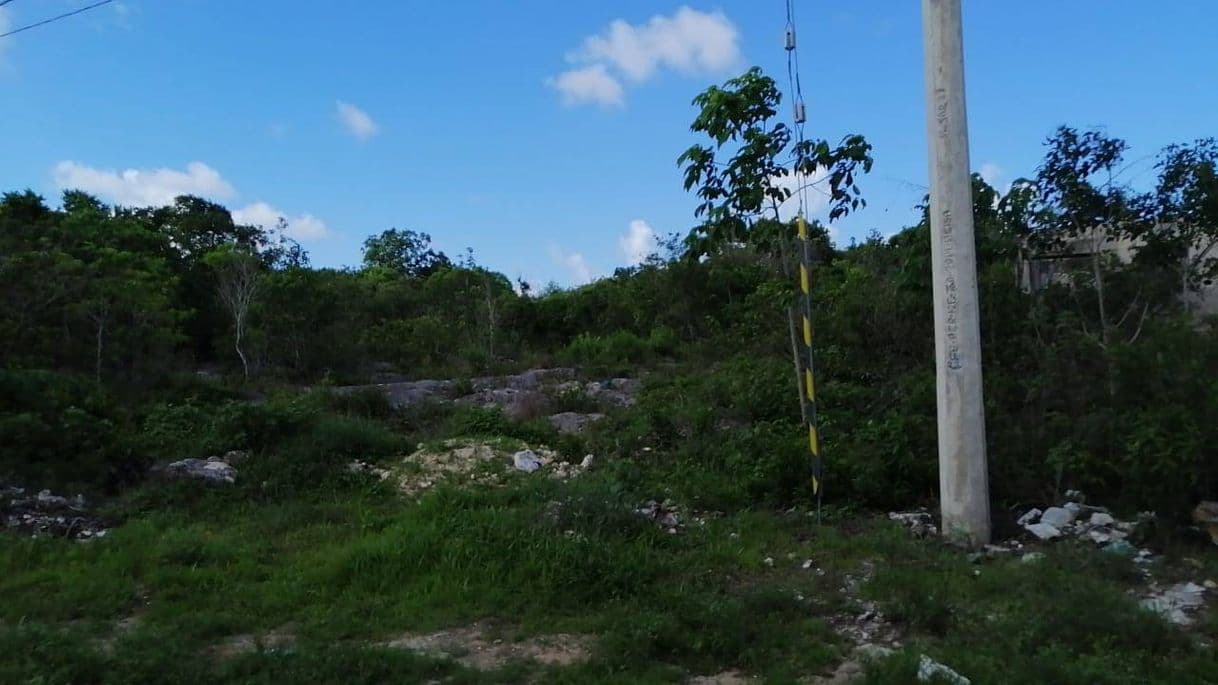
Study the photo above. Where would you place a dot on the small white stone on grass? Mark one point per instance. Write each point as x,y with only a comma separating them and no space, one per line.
526,460
929,670
1099,518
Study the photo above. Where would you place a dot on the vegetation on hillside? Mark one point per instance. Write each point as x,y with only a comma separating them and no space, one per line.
135,336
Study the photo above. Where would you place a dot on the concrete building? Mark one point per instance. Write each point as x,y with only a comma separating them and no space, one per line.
1038,269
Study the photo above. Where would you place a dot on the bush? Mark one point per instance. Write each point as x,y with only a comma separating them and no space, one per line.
60,431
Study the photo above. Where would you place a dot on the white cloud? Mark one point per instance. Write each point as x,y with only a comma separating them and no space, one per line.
688,42
143,187
159,187
991,172
637,242
816,194
588,84
300,227
574,263
356,121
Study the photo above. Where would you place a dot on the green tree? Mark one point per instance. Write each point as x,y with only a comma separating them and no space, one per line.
402,252
1184,224
741,196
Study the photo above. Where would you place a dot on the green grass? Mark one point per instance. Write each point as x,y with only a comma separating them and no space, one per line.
345,564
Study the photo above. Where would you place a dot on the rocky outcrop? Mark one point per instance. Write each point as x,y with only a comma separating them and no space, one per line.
212,471
573,423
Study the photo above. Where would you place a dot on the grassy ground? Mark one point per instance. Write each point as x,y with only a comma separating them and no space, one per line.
347,565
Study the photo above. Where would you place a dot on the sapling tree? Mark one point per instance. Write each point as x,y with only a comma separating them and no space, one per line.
744,176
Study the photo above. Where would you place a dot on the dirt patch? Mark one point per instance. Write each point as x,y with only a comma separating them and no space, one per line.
725,678
280,639
475,647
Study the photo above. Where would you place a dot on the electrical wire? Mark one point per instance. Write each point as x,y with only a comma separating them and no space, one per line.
802,184
44,22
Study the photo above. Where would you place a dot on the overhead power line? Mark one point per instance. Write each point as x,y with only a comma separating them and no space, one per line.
44,22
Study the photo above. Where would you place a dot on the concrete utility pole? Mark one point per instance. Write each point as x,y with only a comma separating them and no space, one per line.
964,490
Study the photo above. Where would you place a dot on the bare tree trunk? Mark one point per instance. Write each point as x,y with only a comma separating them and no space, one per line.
101,332
1099,293
492,321
240,326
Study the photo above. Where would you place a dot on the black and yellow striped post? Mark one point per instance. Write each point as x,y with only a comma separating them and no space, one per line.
805,287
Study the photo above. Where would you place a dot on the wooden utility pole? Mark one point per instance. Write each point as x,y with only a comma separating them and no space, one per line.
964,491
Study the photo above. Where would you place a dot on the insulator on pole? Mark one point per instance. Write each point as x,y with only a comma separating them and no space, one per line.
800,114
790,38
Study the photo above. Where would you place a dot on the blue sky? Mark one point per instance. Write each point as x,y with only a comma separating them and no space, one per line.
544,134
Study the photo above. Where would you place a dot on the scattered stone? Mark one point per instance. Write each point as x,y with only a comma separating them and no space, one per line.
1100,518
48,515
1058,517
1043,531
920,523
806,565
212,470
929,670
1032,557
664,514
1206,514
616,392
573,423
563,470
358,466
1210,585
234,457
526,460
1031,516
768,561
1177,602
48,501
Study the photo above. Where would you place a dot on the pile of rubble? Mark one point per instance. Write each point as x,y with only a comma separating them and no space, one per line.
1097,526
1177,603
212,470
663,514
48,515
373,470
920,523
468,462
1087,523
